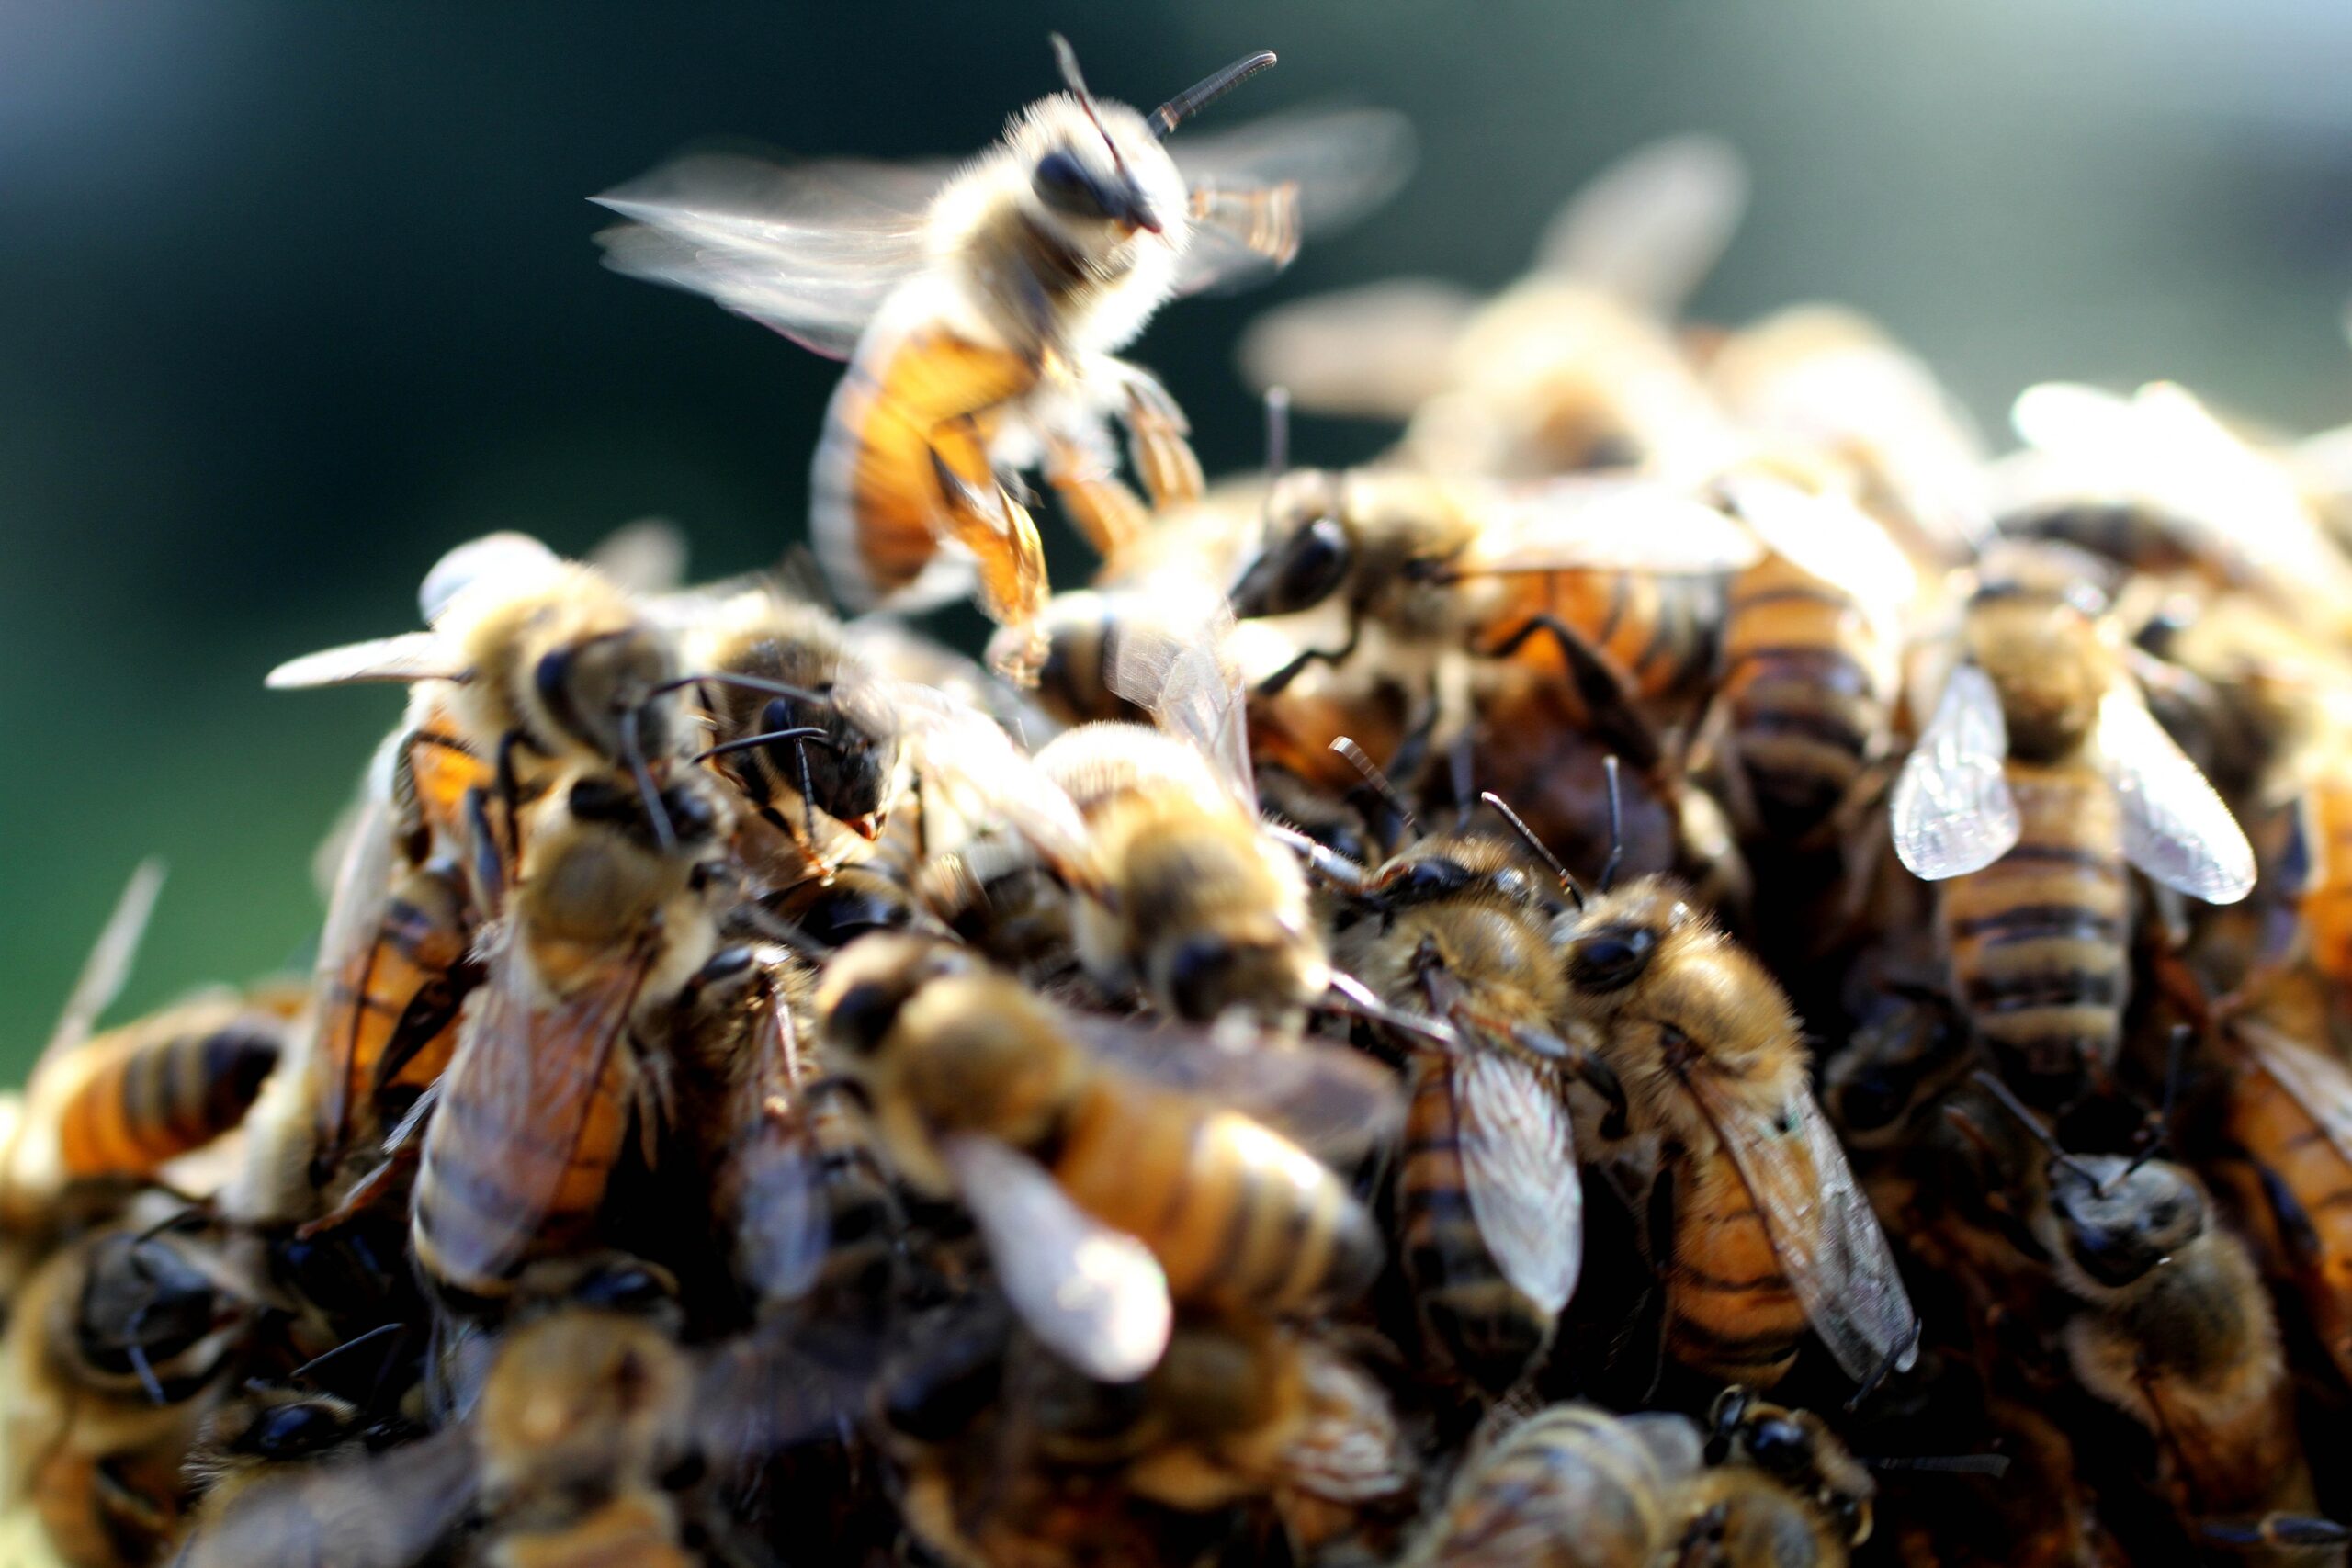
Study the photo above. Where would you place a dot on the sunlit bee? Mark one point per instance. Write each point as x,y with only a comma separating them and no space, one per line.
980,310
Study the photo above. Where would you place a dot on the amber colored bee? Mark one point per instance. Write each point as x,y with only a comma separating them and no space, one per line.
1102,1194
1571,1486
2039,777
979,311
1769,1231
605,924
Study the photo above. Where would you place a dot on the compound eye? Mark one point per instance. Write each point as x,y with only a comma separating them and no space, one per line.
1428,880
863,1017
294,1430
1610,958
1199,979
627,1286
1778,1445
1063,184
1300,573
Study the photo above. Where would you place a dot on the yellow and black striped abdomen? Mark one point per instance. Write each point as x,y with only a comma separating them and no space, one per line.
145,1094
2038,939
2309,1183
1661,631
1237,1216
1730,1313
1571,1487
1804,715
1479,1320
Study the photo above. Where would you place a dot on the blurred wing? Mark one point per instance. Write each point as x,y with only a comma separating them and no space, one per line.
781,1231
380,1510
810,250
1095,1296
1952,810
1519,1164
410,656
648,556
505,557
1830,537
347,947
1350,1448
964,754
2316,1082
1651,225
1257,190
1823,1233
1583,523
532,1075
1331,1100
1377,352
108,965
1180,666
2175,827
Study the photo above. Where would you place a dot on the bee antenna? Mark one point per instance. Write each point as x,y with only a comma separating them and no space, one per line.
1207,91
2031,1122
1993,1465
1543,851
809,733
1067,59
665,832
1377,782
1277,435
1616,827
2160,1131
307,1371
1351,994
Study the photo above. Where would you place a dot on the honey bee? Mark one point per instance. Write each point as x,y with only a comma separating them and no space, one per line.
2039,775
605,926
2177,1334
114,1349
1768,1232
1101,1193
979,311
1571,1486
1796,1449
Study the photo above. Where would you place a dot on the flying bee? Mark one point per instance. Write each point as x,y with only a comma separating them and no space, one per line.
1572,1486
2038,776
114,1349
979,311
1766,1232
1102,1193
790,758
2178,1333
603,926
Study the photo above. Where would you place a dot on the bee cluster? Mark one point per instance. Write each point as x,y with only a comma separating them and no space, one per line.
1667,975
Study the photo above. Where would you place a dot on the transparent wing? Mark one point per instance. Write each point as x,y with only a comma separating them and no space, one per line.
1952,810
2175,827
1519,1164
1257,190
781,1232
1330,1099
347,946
1350,1450
2317,1082
108,965
810,250
409,656
380,1510
1094,1295
1378,351
1651,225
1824,1233
648,556
1830,537
1178,665
1587,523
505,557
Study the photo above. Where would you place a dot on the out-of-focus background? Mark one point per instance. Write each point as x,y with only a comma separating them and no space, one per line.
293,297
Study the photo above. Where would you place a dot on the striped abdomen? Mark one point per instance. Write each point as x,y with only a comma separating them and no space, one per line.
1730,1313
1237,1216
1660,630
1805,713
136,1098
2038,939
875,510
1571,1487
392,1013
2309,1183
1484,1323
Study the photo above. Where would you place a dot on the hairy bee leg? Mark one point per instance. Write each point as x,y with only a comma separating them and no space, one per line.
1002,537
1158,442
1608,696
1111,515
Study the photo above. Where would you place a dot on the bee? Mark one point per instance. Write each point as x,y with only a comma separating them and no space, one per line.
1796,1449
1768,1232
2176,1333
1575,366
2040,774
979,312
1572,1486
115,1347
119,1106
603,928
1102,1193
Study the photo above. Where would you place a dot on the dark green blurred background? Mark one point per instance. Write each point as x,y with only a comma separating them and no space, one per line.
293,296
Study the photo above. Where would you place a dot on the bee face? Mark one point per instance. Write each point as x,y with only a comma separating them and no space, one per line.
142,1293
2117,1227
295,1429
1302,569
599,692
1203,974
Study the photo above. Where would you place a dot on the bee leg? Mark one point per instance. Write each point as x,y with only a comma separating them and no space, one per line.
997,530
1157,444
1279,681
1608,698
1109,514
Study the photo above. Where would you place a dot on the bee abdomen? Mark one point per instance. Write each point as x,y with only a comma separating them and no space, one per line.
1486,1325
1571,1487
148,1097
1802,702
1731,1312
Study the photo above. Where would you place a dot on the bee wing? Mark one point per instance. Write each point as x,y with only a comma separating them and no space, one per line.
648,556
1179,664
781,1237
108,965
1094,1295
534,1073
1330,1100
2316,1082
2175,827
378,1510
1823,1233
1650,227
505,557
1588,524
408,656
1519,1165
810,250
1952,811
1377,352
1339,165
1350,1450
1830,537
967,757
347,945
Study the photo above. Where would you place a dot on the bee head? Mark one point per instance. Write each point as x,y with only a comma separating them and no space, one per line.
1308,559
2118,1222
1101,171
600,692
